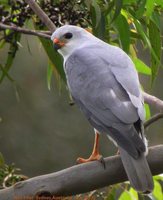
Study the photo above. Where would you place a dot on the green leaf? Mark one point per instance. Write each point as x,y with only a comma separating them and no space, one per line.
11,55
118,7
159,177
96,13
109,7
124,32
141,31
112,193
147,111
98,28
125,196
4,2
54,57
2,44
5,73
151,45
159,2
2,161
141,66
139,13
127,2
155,39
157,192
49,75
155,17
134,194
149,7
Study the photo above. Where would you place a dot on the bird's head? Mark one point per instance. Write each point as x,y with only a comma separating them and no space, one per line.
68,38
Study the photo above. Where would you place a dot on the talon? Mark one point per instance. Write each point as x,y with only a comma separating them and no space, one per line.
95,154
102,161
98,158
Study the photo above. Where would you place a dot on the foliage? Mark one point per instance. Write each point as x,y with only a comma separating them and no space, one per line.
9,174
124,23
123,191
18,13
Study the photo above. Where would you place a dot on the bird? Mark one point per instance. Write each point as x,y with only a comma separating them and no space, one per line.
104,84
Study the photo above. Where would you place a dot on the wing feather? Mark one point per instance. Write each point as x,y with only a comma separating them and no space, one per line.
106,96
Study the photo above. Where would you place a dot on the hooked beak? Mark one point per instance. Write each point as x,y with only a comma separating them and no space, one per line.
57,44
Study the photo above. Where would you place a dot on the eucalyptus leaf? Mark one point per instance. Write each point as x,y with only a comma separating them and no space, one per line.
11,55
54,57
112,193
159,2
149,7
5,73
157,192
155,40
2,161
49,74
124,32
134,194
141,66
118,7
141,9
97,12
125,196
147,111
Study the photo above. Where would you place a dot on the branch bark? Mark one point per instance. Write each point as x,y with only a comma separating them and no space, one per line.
24,30
80,178
153,119
41,14
153,101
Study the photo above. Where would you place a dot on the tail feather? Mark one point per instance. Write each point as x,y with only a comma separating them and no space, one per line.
138,171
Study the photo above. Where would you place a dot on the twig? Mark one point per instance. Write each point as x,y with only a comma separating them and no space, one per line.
80,178
153,119
153,101
24,30
41,14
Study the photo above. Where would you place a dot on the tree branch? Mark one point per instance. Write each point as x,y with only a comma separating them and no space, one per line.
153,101
80,178
41,14
23,30
153,119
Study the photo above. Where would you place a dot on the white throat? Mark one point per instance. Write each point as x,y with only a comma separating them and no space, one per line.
67,50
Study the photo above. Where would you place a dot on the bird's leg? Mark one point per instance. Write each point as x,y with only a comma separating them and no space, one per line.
95,153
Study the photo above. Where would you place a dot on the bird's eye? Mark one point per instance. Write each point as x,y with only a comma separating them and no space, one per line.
68,35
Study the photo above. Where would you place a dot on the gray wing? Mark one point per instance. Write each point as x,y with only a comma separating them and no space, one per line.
125,73
102,98
111,81
131,86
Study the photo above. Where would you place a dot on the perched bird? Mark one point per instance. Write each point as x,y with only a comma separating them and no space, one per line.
104,83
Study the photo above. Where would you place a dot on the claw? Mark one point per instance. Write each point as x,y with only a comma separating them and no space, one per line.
95,154
98,158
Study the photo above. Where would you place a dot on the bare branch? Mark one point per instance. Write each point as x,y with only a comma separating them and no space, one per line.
24,30
80,178
153,119
41,14
153,101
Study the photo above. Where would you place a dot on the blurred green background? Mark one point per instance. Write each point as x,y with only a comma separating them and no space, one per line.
39,130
